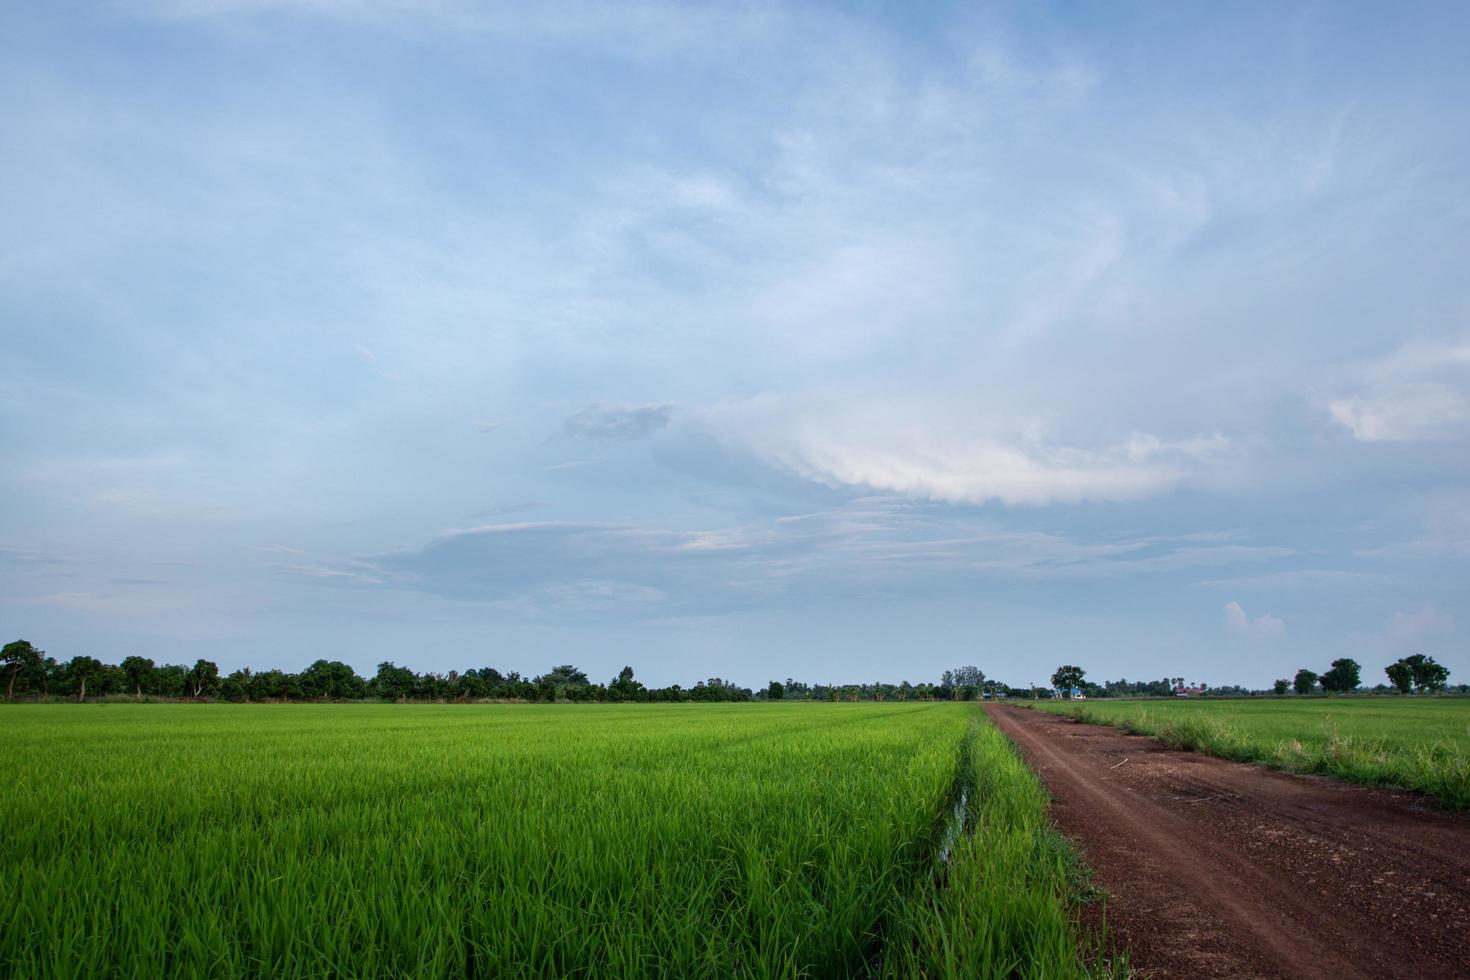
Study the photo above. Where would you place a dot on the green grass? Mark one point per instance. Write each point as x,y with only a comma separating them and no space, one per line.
1414,743
690,841
995,910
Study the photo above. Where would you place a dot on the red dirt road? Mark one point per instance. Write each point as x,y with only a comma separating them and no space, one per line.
1219,869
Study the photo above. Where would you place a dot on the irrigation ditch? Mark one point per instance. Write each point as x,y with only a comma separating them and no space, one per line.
1003,894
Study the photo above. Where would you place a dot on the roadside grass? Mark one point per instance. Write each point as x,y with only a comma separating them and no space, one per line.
1005,903
1409,743
526,841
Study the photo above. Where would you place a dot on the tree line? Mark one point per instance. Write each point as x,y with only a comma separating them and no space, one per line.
30,673
1416,673
1406,675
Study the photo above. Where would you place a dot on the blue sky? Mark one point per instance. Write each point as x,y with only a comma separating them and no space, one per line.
844,342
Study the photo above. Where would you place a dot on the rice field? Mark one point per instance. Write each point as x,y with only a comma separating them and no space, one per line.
812,840
1413,743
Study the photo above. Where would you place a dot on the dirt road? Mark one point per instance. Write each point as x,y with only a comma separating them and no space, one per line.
1219,869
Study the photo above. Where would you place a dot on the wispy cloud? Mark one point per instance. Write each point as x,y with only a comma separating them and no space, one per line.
620,422
1421,393
869,547
27,557
1300,579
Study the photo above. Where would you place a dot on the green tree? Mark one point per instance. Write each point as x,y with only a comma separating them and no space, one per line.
776,691
1428,675
1067,677
204,677
172,680
1281,686
969,676
394,683
236,686
331,680
624,687
139,671
1306,681
19,657
1342,677
1401,675
564,682
83,668
567,674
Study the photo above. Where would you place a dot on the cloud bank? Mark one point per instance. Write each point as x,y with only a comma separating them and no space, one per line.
956,451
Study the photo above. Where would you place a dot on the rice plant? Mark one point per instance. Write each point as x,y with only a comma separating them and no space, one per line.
500,841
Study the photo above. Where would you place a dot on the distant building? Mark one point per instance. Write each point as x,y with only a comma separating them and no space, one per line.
1188,692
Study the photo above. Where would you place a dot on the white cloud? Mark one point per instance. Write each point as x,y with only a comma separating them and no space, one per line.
1419,394
949,451
1263,627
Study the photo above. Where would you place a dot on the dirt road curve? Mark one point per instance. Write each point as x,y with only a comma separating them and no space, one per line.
1218,869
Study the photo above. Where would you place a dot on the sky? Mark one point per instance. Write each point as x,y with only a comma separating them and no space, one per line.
839,342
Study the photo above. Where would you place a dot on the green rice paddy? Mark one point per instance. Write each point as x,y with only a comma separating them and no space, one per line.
517,841
1414,743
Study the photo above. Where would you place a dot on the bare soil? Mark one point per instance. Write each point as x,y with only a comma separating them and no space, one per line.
1220,869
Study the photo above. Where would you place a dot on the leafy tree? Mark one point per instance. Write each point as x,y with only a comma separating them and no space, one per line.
274,685
1306,681
483,683
567,674
19,657
1401,675
968,677
84,668
1428,675
1067,677
236,686
624,687
139,671
394,683
1342,677
172,680
204,677
776,691
331,680
1281,686
564,681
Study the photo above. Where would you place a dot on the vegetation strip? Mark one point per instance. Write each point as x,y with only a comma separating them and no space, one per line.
1421,744
1003,902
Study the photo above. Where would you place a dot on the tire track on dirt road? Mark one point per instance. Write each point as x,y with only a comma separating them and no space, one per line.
1221,869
